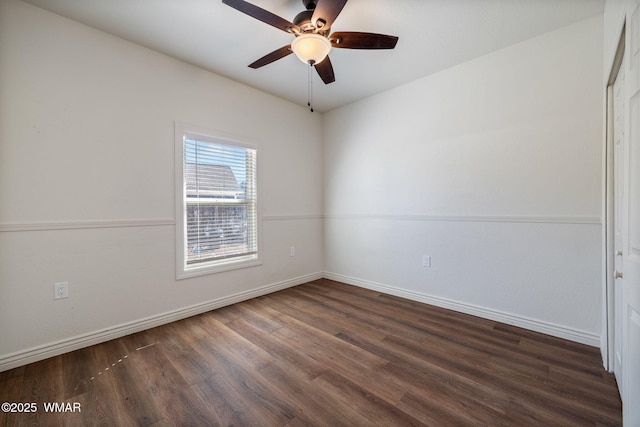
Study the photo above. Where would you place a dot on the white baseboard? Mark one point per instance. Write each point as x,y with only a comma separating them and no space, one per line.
548,328
34,354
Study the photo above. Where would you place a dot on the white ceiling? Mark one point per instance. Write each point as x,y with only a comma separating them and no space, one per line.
433,35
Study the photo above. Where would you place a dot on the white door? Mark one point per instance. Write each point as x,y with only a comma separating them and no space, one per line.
627,273
627,262
629,269
618,199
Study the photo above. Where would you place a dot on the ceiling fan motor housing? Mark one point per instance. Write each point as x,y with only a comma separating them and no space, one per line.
303,21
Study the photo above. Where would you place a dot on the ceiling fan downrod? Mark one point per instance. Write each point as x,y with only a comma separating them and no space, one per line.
309,4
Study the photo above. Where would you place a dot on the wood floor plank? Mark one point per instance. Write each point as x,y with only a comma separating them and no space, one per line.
76,374
249,396
375,410
280,350
419,375
326,354
362,319
177,340
326,346
239,372
141,407
314,406
176,402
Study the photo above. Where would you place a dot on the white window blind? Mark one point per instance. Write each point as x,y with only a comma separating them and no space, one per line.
219,202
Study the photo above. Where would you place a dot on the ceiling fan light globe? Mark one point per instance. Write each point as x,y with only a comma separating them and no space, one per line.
311,47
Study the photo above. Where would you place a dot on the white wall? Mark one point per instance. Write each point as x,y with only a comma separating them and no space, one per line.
493,168
613,23
87,184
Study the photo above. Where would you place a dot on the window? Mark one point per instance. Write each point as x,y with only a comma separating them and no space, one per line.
217,212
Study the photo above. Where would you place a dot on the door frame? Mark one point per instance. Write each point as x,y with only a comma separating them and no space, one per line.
608,332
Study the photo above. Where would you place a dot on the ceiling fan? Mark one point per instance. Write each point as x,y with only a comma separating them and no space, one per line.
313,39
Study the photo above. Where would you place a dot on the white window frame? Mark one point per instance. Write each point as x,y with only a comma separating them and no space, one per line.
183,271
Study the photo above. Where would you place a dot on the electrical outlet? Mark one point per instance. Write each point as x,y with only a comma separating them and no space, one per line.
426,261
292,251
61,290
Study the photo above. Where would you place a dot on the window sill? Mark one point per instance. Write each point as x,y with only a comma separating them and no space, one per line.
205,269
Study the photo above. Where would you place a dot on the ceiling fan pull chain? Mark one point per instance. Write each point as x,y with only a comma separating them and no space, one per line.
310,86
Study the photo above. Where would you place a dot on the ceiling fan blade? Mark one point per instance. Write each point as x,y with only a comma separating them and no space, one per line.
262,15
273,56
327,11
325,71
355,40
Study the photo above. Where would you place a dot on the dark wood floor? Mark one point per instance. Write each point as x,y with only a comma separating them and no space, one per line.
326,354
